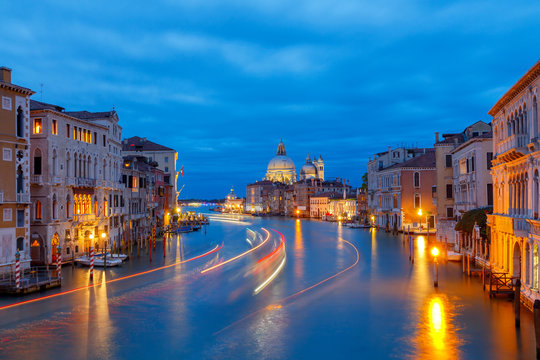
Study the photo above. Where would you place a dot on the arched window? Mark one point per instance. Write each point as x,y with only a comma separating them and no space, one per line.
54,163
20,244
95,168
535,268
74,165
105,207
54,207
96,207
20,122
68,164
38,211
37,162
417,179
68,207
20,180
104,168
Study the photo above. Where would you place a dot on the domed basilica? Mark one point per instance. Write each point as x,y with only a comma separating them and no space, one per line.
281,168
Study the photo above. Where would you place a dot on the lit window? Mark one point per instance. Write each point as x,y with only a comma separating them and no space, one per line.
38,210
37,126
67,130
54,128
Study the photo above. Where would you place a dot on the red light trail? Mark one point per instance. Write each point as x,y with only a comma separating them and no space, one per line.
111,281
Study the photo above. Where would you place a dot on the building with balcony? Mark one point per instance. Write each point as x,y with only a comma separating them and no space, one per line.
392,206
446,218
515,222
165,158
15,169
75,165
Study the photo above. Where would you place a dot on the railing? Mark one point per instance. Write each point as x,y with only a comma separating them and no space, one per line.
512,142
86,182
501,283
36,179
56,180
521,227
84,217
23,198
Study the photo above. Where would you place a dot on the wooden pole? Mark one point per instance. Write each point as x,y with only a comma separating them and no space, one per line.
469,264
517,301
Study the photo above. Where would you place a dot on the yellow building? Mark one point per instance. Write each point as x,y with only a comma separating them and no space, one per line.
14,167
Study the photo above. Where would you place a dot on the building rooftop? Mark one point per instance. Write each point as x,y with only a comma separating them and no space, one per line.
38,105
87,115
426,160
137,143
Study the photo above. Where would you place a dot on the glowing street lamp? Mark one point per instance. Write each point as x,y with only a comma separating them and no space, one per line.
435,253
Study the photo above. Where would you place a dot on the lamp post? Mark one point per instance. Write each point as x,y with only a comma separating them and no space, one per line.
435,253
103,236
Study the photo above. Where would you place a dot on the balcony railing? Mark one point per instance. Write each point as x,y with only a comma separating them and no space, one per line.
23,198
84,217
521,227
36,179
512,142
56,180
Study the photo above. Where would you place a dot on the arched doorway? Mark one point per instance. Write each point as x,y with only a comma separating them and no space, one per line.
516,260
55,242
37,250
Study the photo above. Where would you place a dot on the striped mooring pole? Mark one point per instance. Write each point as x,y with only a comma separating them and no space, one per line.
17,270
91,263
59,262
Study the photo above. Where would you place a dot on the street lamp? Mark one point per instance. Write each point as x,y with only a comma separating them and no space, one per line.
435,253
103,236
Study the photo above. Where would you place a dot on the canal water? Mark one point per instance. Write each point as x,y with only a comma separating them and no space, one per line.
299,289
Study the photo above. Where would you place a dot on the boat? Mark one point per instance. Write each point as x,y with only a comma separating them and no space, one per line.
122,257
99,261
453,256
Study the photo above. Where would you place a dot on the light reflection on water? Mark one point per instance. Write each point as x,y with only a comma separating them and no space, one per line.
385,307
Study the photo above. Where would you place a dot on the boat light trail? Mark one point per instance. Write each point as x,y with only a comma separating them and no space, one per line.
269,280
276,249
280,303
217,248
239,256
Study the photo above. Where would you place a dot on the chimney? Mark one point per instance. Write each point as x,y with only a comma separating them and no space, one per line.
5,74
436,137
389,149
143,139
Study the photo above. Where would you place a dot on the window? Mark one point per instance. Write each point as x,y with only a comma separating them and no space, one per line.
417,179
468,166
38,210
95,138
489,160
448,191
67,130
54,127
20,244
166,169
475,134
166,159
89,137
490,194
448,160
37,162
417,201
449,212
8,215
37,126
80,135
20,218
472,163
6,154
74,133
380,165
20,122
6,103
104,139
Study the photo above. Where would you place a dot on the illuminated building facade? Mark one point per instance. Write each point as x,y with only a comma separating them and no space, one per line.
233,203
75,170
15,169
515,222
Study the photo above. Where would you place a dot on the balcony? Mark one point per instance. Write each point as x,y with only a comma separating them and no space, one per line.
522,227
84,218
86,182
56,180
23,198
36,179
513,147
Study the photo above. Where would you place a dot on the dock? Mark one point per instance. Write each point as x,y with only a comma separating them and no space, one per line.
34,279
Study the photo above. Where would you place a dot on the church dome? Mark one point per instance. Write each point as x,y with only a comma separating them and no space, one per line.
281,167
308,171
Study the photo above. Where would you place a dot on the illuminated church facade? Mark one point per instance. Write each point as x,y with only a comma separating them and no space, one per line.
281,168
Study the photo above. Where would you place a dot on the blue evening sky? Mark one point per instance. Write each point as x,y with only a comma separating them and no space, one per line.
223,81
